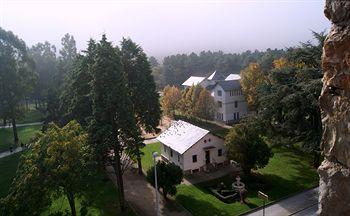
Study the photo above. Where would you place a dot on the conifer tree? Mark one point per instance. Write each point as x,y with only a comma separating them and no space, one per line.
113,123
142,90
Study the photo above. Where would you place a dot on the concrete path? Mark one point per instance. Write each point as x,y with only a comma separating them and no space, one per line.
22,125
150,141
140,195
303,204
8,153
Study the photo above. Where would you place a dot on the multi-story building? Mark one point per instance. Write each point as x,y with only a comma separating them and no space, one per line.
227,93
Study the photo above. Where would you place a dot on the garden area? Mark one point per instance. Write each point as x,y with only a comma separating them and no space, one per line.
288,172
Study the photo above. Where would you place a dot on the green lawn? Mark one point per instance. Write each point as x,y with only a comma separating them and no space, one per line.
147,159
30,116
24,135
288,172
8,167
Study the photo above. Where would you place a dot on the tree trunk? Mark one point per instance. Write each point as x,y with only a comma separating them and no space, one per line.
118,173
71,201
14,129
138,157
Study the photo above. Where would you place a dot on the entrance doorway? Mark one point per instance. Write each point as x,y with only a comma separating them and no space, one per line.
207,157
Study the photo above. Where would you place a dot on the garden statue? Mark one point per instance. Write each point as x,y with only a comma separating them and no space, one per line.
239,187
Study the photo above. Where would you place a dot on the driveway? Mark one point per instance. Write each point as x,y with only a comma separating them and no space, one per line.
303,204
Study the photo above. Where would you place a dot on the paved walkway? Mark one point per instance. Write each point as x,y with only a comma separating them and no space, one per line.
8,153
303,204
22,125
141,196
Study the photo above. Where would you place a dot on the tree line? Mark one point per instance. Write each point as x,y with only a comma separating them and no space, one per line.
175,69
102,97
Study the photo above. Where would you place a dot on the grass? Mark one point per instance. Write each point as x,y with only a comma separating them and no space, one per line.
24,134
8,167
102,199
288,172
30,116
147,159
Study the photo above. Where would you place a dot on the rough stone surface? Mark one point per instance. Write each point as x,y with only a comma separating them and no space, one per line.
334,187
334,172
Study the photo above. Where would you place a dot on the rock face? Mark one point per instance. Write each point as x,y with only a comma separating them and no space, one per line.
334,172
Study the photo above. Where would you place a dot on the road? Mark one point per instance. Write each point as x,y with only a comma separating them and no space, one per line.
303,204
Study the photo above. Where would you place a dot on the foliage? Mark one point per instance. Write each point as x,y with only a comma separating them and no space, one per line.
177,68
168,176
252,77
170,99
44,55
17,76
245,146
205,106
76,100
113,125
58,161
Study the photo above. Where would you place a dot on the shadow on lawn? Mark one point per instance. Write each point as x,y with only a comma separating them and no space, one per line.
199,207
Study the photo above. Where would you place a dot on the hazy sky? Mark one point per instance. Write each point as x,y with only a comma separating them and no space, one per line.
166,27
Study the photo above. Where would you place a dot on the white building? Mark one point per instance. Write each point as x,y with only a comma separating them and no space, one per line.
192,148
227,93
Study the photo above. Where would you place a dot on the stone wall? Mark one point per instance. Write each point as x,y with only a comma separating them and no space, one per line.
334,171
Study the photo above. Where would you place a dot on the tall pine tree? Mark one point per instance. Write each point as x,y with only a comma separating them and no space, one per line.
113,123
142,90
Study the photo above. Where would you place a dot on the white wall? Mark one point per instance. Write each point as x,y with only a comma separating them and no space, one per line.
228,104
166,152
198,150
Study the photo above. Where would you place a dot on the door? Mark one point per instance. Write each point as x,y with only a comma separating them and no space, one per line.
207,157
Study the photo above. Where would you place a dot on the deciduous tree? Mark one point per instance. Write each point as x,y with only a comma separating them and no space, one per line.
170,100
245,146
168,175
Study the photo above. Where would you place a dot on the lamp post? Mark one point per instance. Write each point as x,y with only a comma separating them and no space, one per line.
155,154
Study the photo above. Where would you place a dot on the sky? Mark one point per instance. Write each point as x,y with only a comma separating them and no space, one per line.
164,27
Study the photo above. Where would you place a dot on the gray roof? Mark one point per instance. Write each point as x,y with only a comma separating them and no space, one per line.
181,136
216,76
228,85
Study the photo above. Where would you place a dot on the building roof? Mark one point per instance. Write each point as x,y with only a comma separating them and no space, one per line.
181,136
215,76
233,77
229,85
193,80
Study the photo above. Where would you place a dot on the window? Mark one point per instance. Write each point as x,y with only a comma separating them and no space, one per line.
194,158
164,148
171,152
219,104
219,116
236,104
178,157
219,93
236,116
219,152
231,92
209,139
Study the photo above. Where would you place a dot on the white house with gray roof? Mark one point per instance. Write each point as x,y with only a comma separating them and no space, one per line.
227,93
192,148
